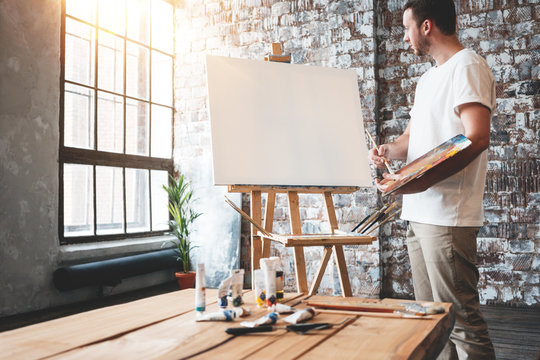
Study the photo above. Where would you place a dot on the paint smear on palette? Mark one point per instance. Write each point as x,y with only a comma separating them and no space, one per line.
420,166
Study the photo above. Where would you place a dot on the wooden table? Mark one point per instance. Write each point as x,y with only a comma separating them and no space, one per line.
164,327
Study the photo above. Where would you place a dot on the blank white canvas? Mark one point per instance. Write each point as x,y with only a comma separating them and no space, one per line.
285,124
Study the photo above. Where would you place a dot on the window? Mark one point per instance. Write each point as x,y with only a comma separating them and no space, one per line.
116,118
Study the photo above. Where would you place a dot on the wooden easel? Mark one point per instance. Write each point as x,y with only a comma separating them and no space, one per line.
260,244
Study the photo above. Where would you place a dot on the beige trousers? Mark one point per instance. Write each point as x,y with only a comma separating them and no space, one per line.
443,264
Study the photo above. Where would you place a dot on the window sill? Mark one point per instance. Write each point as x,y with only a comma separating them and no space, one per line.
77,253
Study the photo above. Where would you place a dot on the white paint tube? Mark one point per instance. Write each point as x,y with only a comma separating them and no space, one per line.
267,319
200,289
223,291
224,315
260,293
268,267
236,286
283,309
241,311
300,316
279,278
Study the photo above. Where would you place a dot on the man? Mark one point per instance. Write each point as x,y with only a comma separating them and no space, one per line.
444,207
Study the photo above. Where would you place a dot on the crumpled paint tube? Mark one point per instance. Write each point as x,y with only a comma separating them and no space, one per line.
300,316
269,269
200,289
283,309
224,315
223,292
237,284
241,311
260,293
268,319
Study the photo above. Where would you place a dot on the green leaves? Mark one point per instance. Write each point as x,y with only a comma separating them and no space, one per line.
180,198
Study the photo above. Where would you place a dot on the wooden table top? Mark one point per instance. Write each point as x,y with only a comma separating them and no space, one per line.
164,327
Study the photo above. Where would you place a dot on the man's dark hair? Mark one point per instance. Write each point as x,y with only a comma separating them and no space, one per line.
441,12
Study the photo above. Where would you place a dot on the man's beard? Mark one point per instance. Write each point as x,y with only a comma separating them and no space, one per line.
422,47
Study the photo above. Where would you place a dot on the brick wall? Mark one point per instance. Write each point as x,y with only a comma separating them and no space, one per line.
367,36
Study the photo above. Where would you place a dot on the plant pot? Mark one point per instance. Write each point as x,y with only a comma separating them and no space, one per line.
185,280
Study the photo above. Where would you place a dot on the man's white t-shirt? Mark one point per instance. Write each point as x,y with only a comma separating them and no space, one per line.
457,200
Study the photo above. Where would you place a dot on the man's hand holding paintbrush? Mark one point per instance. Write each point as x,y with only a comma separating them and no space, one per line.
380,154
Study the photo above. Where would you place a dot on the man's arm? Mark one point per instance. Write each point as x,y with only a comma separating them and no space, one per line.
476,121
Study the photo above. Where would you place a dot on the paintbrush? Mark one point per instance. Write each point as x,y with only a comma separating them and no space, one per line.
377,147
385,210
364,220
372,217
385,220
380,217
297,328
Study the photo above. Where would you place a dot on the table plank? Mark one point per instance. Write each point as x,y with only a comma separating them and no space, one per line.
397,339
175,338
59,335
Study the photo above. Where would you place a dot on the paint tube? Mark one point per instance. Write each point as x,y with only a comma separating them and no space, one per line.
300,316
260,294
241,311
224,315
237,285
200,289
268,267
279,278
283,309
223,291
268,319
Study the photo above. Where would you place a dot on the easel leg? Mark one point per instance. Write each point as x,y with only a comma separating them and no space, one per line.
338,249
268,222
296,229
320,272
342,270
256,246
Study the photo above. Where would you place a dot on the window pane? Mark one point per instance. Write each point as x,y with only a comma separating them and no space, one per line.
80,46
110,122
110,62
82,9
162,79
160,200
109,200
161,132
78,117
137,200
112,15
162,26
137,127
78,200
137,71
138,20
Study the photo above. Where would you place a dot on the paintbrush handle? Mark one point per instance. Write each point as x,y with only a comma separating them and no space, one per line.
377,147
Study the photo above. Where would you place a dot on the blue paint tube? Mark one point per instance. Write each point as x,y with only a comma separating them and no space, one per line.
268,319
223,291
236,287
225,315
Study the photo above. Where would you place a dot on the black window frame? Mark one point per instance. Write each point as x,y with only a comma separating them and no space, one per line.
95,157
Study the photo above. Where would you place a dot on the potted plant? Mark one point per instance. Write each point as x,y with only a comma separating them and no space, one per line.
180,198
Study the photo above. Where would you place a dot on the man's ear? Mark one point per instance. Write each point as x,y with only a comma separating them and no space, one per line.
426,26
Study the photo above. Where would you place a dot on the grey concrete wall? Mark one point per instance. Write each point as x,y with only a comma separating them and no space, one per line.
29,104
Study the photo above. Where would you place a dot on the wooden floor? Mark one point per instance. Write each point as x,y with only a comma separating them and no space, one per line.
515,332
